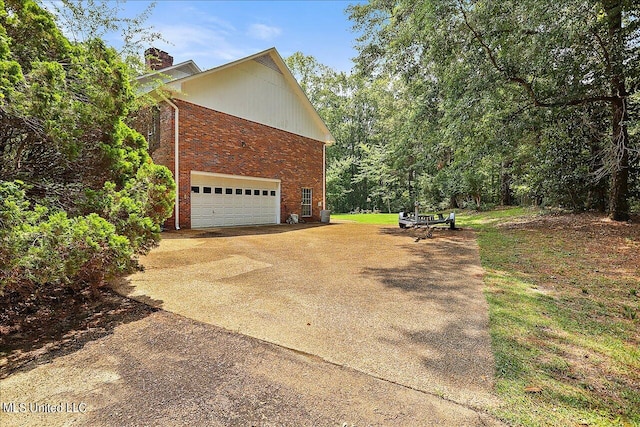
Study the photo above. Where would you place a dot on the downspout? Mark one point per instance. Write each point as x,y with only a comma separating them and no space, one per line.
324,176
176,160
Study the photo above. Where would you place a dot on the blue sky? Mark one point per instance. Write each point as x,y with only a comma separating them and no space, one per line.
215,32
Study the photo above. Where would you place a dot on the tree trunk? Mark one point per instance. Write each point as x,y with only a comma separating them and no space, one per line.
453,202
506,195
598,191
618,193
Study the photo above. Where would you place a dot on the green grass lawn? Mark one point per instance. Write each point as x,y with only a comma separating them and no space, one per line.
564,308
377,218
563,320
463,219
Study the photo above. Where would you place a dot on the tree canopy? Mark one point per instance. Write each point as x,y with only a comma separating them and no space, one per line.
487,102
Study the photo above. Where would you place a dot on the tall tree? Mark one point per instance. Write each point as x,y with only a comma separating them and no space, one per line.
559,55
84,20
71,168
62,125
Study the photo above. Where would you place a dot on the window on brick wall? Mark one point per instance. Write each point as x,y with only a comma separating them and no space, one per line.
153,131
306,201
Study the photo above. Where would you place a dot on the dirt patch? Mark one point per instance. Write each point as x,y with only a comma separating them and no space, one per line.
588,248
56,321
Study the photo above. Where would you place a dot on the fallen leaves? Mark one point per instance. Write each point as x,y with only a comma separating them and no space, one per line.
533,389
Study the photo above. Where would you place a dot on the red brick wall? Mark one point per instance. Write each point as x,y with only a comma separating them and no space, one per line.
164,154
211,141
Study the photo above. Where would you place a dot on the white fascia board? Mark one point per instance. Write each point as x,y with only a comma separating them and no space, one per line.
189,65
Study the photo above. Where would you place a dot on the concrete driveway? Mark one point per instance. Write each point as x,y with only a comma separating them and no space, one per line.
342,324
360,296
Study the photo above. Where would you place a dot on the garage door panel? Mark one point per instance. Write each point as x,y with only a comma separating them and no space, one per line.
233,201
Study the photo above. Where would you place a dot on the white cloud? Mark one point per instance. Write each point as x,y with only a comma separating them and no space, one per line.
208,39
183,36
206,45
263,32
228,26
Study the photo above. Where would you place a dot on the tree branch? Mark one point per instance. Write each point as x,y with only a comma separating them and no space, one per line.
526,85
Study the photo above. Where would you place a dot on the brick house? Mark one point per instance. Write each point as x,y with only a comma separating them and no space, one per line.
247,145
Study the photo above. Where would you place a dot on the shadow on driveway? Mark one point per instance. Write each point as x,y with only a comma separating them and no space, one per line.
59,323
249,230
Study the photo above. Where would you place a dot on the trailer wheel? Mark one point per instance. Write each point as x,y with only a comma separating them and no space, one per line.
402,225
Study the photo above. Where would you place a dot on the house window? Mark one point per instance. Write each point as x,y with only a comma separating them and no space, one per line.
256,192
247,192
218,190
195,189
206,190
273,192
228,191
239,191
153,130
306,202
265,192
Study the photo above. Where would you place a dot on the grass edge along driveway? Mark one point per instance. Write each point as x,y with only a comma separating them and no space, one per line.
564,306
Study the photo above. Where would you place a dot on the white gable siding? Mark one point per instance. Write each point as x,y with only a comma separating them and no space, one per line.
256,92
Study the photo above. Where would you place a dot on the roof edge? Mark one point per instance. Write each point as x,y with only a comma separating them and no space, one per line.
189,63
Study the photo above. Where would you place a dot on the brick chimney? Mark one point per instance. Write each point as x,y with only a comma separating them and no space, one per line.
157,59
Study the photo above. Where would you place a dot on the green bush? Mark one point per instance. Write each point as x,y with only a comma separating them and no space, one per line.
93,199
141,206
44,247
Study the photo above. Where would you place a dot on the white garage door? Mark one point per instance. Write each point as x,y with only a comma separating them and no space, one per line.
226,200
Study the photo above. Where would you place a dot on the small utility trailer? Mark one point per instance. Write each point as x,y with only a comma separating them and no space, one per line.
415,219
